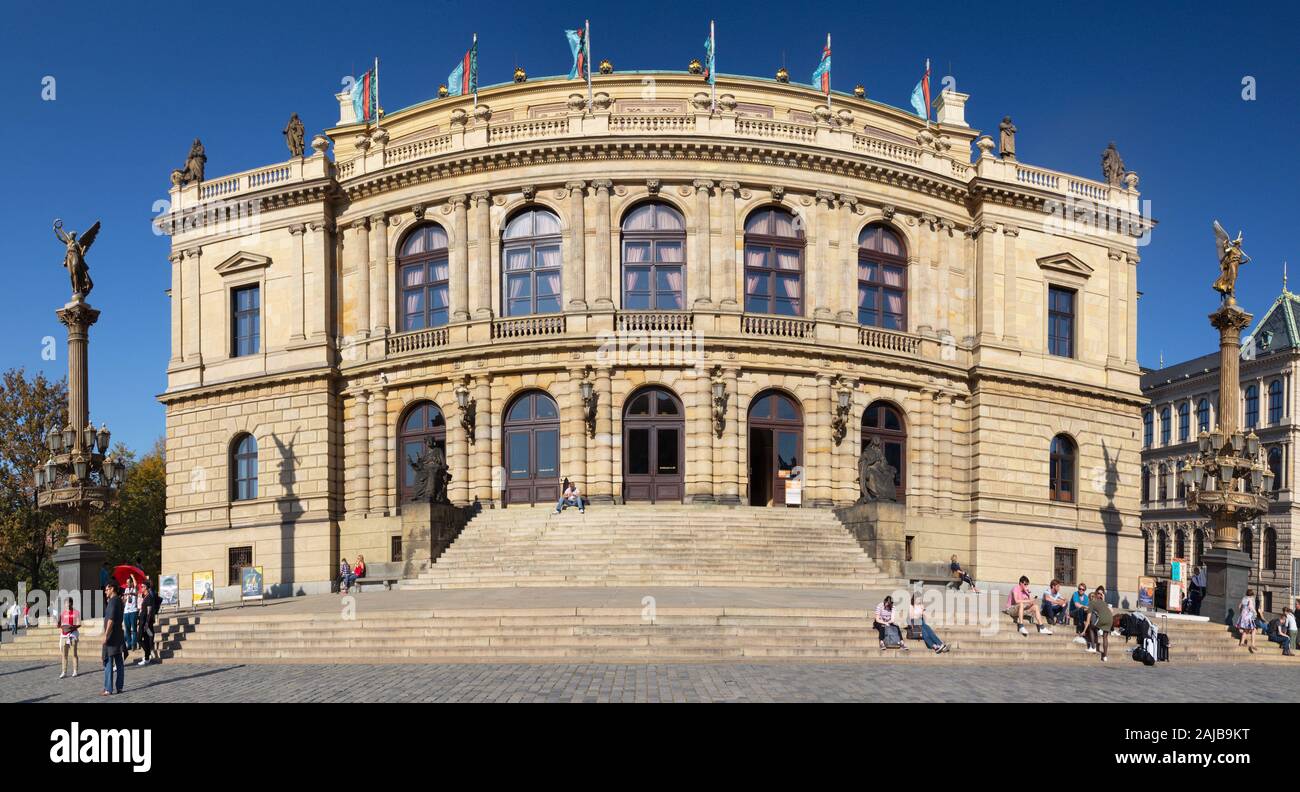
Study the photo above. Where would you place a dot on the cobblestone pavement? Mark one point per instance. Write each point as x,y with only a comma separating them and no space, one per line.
180,682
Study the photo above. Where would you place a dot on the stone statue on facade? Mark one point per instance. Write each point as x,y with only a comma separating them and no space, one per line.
1112,166
194,163
431,474
1007,145
74,257
875,474
1231,258
295,136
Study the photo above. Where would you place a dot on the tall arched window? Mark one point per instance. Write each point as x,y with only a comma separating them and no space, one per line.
1252,407
1146,549
422,274
774,245
1162,483
1268,548
1184,423
1162,547
531,263
1275,465
1180,543
423,424
882,279
1061,470
885,421
1146,484
654,259
1275,402
1247,542
1203,415
1165,425
1198,545
1148,428
1179,486
243,466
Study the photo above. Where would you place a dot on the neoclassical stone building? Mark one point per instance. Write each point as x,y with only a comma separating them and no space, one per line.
662,301
1184,402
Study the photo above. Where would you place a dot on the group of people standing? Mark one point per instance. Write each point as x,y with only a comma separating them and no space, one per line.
130,614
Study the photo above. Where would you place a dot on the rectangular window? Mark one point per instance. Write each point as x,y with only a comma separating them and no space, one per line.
239,557
1060,321
246,321
395,549
1065,565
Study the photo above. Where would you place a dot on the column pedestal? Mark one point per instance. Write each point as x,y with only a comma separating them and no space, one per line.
1227,574
79,566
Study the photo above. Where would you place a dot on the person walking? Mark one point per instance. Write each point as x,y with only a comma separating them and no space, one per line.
114,642
916,618
1289,625
69,634
149,602
1246,621
130,609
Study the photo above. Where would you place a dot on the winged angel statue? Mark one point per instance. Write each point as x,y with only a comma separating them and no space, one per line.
1231,258
74,258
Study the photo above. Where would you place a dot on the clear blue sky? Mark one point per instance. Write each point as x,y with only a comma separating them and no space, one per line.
136,82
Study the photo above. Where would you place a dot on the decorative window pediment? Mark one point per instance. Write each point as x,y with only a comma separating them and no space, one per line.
243,262
1066,263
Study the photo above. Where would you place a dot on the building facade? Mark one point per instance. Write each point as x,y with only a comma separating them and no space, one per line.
1184,401
662,300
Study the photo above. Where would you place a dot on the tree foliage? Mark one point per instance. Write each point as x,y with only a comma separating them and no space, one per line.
28,536
131,529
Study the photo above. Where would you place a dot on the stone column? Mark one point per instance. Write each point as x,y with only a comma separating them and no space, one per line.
1010,299
919,281
725,271
459,263
733,466
818,482
846,302
480,283
573,431
989,309
356,258
699,270
575,263
458,458
318,247
1114,350
944,439
482,460
822,268
923,477
360,461
379,462
700,486
599,288
945,287
1131,326
177,296
601,468
381,275
190,308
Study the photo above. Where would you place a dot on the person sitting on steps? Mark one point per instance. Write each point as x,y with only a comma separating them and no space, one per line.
1079,611
1020,602
884,622
1276,633
571,496
916,618
1054,603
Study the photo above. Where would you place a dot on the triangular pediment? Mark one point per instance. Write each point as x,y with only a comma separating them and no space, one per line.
1067,263
242,262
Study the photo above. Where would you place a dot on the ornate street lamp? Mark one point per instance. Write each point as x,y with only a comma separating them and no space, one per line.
467,412
1230,477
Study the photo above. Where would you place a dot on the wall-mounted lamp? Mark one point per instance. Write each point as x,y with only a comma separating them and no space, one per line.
843,405
587,389
467,405
719,388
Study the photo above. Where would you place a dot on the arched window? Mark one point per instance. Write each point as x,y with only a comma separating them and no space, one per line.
1148,425
1184,423
1165,426
1268,548
1198,545
1179,486
885,421
1162,483
882,279
1275,402
1062,467
1162,546
423,273
1180,544
773,263
1146,549
1146,484
531,263
1247,542
243,466
1275,465
1203,416
423,424
1252,407
654,259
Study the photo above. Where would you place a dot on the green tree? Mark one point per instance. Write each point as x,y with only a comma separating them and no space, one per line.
131,528
28,536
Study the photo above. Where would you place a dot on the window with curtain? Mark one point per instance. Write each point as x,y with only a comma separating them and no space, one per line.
530,263
1203,416
1252,407
774,245
243,467
1060,321
654,259
423,274
1275,402
1165,426
1184,422
882,279
1061,470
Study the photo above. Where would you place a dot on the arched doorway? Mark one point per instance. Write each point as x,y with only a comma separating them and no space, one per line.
532,449
775,446
653,447
424,422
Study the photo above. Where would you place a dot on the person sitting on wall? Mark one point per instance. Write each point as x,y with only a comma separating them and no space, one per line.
359,570
961,576
1020,602
345,576
571,496
1054,603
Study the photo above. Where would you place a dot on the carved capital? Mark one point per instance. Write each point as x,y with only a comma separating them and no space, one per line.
457,201
728,186
360,224
602,186
1011,229
481,197
378,219
574,188
825,197
702,185
297,228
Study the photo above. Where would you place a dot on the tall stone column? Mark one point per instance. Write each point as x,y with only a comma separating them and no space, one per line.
725,271
1131,326
823,269
458,459
177,297
990,313
191,308
699,270
699,442
818,481
602,467
846,302
482,455
575,263
379,461
356,257
598,269
360,461
480,282
944,437
1010,299
458,260
381,275
318,247
573,431
924,477
943,307
1114,349
919,280
732,465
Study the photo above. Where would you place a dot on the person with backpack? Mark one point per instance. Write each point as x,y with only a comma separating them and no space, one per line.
1096,631
890,636
916,626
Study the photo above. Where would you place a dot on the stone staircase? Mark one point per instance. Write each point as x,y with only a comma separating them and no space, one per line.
662,545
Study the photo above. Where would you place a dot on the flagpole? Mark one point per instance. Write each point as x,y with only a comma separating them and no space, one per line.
713,70
586,40
377,92
828,73
473,63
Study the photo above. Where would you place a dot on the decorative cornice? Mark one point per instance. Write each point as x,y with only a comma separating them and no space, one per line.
242,262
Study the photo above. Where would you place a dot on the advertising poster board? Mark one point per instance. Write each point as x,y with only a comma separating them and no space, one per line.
202,589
